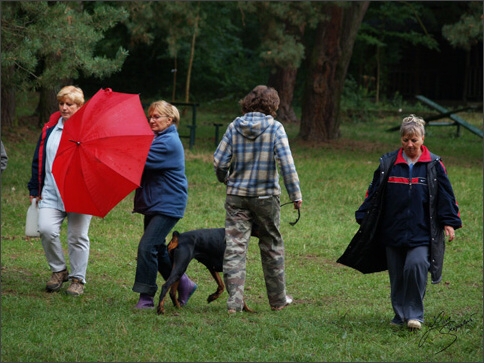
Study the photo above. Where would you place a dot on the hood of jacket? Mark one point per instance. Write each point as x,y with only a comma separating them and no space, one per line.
252,124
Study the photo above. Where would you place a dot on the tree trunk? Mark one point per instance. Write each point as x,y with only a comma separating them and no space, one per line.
466,76
284,81
192,55
174,70
48,94
328,63
378,74
8,107
8,103
47,104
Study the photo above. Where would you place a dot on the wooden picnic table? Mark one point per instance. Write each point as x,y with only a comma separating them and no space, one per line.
444,113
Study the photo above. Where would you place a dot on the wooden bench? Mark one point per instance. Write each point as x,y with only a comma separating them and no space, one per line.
193,126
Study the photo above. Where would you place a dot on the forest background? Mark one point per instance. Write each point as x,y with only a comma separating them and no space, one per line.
316,54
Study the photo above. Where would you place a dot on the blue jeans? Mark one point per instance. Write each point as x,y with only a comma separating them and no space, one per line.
152,253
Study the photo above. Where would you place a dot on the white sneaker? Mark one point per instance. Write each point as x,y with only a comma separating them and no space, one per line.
414,324
289,300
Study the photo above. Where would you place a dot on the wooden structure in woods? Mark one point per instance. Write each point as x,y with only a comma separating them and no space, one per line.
444,113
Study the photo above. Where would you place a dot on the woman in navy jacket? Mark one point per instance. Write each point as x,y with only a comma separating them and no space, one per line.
162,198
417,209
42,186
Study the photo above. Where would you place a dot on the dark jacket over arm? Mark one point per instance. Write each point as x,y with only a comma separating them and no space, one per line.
366,251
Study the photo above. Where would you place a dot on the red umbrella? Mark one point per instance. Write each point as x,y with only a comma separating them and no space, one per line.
102,152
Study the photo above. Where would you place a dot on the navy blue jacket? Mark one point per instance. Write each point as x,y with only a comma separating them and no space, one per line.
406,209
389,204
164,186
38,162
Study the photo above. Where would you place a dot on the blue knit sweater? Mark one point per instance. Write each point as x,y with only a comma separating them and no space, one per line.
164,186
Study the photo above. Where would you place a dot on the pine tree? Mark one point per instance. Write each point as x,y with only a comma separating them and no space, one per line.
46,44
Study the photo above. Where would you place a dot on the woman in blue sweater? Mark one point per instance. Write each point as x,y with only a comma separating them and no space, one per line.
162,198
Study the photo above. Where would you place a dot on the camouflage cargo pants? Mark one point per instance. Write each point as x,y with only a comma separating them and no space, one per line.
241,214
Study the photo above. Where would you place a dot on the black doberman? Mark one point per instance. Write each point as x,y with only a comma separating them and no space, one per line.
207,246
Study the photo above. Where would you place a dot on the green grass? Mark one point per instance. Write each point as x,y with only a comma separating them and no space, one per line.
339,314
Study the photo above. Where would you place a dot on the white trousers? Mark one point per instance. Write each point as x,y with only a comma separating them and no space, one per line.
50,221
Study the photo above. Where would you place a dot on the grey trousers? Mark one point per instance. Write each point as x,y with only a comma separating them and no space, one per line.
50,221
408,270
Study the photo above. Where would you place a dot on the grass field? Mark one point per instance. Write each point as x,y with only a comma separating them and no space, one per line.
339,314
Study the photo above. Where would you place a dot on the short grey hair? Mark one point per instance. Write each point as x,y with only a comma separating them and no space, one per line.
412,125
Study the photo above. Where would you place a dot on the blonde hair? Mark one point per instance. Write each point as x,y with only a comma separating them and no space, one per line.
166,109
412,125
73,93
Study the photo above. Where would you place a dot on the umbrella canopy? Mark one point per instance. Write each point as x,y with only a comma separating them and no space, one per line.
102,152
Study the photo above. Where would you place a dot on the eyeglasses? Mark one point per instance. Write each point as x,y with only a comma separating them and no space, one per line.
157,117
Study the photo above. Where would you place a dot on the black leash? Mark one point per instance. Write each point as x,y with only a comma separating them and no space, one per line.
298,213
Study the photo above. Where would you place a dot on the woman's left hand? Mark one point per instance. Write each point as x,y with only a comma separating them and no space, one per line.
449,232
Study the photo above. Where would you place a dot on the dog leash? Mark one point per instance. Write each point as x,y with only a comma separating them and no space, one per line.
298,213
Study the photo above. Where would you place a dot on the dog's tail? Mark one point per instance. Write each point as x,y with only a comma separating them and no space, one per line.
173,243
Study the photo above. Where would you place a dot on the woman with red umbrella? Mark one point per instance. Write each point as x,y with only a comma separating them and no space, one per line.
52,212
162,199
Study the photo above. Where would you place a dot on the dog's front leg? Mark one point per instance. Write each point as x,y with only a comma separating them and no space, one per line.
220,286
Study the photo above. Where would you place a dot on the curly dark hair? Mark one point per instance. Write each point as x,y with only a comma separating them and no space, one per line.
261,99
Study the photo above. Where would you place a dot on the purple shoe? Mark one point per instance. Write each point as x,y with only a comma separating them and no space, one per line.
186,288
145,302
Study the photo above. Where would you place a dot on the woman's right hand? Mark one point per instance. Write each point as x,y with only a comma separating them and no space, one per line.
32,197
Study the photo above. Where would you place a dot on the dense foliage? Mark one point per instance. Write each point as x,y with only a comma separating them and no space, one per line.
201,51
